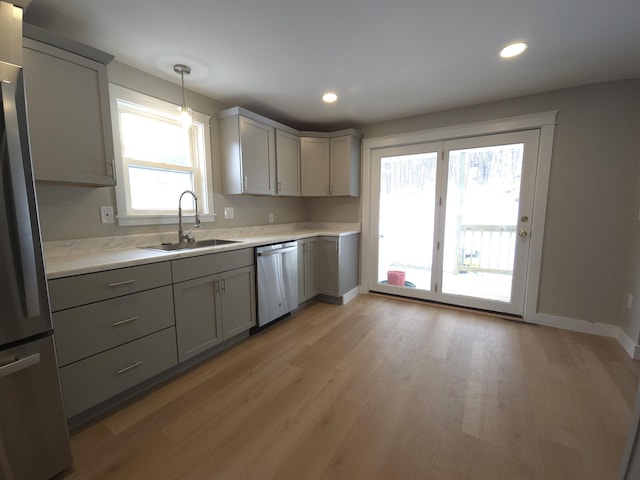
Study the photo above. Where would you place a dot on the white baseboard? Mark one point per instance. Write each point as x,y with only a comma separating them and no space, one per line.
350,295
602,329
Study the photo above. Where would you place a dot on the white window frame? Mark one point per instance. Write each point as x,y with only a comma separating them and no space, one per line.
202,162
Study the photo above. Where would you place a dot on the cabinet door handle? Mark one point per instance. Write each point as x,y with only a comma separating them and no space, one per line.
223,284
121,284
126,369
216,286
126,320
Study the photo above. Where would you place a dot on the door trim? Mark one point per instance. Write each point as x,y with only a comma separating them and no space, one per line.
544,121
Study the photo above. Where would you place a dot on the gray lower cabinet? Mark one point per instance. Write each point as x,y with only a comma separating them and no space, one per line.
338,264
97,378
83,331
83,289
308,271
113,330
212,308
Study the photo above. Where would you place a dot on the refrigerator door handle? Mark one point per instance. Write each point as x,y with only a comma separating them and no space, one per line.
29,276
19,364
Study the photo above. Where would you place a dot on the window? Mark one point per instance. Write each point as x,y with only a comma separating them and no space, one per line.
157,160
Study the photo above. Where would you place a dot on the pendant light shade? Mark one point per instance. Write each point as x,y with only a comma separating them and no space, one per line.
185,116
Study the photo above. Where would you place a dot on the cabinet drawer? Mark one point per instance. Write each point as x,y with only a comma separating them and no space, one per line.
98,378
195,267
92,287
90,329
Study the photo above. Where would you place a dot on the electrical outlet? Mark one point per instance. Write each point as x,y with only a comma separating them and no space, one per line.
228,213
629,301
106,214
270,217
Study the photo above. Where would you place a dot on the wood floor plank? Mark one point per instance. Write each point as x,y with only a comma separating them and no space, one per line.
379,388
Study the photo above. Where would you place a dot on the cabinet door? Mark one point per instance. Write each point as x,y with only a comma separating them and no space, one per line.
328,266
198,319
312,268
349,263
345,166
69,119
97,378
258,157
302,260
89,329
287,163
314,166
237,294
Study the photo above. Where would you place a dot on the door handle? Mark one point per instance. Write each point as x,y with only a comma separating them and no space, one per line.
27,253
277,251
19,364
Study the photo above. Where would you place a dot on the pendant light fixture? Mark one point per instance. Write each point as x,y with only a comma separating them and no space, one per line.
184,117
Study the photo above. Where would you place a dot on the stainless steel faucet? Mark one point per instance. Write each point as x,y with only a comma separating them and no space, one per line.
186,237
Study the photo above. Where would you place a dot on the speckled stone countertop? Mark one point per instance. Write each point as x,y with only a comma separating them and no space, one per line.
65,258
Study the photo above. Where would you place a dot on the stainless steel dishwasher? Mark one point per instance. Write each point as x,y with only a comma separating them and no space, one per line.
277,267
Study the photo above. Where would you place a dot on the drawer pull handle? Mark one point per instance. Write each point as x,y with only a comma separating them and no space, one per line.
120,284
126,320
126,369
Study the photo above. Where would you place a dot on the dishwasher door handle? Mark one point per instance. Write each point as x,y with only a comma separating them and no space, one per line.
276,251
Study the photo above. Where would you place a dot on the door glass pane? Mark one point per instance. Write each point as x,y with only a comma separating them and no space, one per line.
483,193
407,214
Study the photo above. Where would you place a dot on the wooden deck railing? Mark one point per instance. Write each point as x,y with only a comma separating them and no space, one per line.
486,248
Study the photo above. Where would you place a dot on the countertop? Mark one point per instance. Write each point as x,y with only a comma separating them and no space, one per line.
66,258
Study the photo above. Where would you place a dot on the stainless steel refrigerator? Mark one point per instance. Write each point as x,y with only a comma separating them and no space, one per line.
34,442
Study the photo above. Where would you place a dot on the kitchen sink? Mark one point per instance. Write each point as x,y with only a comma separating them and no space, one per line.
213,242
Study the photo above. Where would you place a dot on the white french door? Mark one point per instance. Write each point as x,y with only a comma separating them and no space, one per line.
450,220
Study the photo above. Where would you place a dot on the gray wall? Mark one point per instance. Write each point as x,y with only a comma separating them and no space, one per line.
73,212
593,193
591,255
630,319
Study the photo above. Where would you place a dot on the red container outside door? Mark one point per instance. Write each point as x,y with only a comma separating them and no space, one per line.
395,277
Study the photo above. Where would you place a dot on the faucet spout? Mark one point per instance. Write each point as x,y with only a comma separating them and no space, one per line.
186,237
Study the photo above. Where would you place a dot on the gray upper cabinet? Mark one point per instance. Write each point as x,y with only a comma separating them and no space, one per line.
330,164
248,152
69,119
287,163
345,166
263,157
314,166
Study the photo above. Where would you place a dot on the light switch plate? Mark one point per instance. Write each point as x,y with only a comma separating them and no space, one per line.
228,213
106,214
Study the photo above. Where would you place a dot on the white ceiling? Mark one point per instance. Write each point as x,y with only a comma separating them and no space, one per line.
385,59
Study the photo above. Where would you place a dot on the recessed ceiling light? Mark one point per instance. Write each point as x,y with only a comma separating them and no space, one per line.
513,49
329,97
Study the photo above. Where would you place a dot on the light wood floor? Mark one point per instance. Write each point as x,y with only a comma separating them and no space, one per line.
380,389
